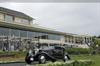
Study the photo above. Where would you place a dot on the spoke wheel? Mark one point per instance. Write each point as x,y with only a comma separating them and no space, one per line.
65,58
42,59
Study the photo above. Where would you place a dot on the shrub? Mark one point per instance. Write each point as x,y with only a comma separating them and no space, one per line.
77,51
74,63
15,53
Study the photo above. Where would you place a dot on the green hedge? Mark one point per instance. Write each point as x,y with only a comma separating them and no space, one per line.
77,51
74,63
16,53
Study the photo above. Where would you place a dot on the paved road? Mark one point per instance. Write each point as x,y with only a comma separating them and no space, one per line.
23,64
18,64
13,64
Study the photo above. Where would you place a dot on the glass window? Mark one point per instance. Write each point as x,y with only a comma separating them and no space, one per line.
8,18
31,34
14,32
44,36
58,37
54,37
25,21
4,31
40,34
36,34
18,20
23,33
22,21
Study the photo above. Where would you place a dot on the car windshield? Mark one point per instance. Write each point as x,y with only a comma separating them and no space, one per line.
46,48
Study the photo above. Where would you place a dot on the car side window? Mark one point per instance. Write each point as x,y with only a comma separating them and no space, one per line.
58,48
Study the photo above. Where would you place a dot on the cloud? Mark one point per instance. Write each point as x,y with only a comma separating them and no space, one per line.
79,18
51,1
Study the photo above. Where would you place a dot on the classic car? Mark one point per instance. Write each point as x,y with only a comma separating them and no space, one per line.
42,55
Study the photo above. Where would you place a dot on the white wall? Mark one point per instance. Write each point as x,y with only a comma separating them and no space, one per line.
21,21
1,16
50,41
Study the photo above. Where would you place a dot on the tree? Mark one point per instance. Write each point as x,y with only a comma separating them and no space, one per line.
98,36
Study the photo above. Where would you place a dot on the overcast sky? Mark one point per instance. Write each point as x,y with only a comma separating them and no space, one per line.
78,18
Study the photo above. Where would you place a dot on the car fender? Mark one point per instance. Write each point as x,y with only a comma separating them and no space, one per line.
68,57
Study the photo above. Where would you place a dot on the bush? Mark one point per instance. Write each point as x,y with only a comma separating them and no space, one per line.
15,53
74,63
77,51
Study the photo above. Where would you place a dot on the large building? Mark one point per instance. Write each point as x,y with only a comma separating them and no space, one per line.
17,31
74,40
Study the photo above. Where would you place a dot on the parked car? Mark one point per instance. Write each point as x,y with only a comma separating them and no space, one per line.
42,55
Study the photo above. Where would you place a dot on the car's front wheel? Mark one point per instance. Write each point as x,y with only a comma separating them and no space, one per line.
65,58
42,59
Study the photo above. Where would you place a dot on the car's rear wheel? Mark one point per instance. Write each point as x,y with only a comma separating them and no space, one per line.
65,58
42,59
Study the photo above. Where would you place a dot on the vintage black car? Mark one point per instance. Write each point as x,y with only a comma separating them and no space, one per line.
42,55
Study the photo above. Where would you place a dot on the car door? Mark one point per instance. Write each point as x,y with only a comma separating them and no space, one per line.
58,52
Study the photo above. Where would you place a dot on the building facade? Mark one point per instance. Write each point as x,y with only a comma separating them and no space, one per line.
18,32
74,40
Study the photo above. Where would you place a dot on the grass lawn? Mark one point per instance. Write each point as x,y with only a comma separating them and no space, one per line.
12,59
18,56
95,58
